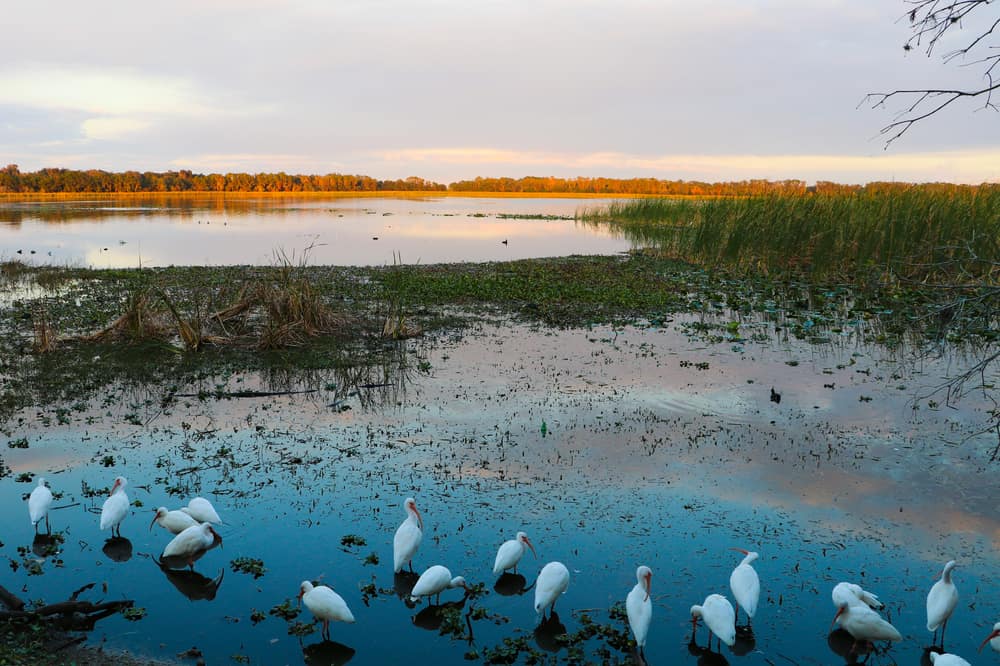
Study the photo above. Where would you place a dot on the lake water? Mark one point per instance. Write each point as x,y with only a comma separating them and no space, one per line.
610,447
207,230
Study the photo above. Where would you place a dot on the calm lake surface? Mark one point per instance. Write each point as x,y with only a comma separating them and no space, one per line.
207,230
611,448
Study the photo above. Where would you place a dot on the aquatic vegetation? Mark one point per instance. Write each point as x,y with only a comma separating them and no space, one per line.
912,233
248,565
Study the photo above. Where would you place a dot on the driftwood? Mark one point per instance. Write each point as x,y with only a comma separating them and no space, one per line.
71,614
10,600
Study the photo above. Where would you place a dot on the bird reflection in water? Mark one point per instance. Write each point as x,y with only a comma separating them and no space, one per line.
192,584
402,585
432,616
745,641
705,655
118,549
510,585
547,633
842,644
327,653
45,545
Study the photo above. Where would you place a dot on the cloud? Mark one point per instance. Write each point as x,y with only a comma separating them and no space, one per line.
104,91
972,166
112,128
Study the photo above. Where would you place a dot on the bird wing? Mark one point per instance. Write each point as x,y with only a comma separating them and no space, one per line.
745,585
640,611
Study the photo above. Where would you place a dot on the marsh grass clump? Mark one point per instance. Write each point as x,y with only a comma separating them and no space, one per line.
908,232
396,325
139,321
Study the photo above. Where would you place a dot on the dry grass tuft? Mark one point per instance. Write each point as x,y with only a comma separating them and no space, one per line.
45,338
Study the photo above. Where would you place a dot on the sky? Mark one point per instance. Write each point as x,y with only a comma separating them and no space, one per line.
454,89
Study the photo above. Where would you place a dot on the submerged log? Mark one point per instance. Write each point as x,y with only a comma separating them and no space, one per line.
71,614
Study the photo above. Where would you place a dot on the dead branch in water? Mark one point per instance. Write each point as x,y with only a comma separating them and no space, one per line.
72,614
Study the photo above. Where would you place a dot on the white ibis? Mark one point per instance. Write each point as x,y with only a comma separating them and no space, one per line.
191,542
174,522
946,659
745,584
993,639
850,593
325,604
38,505
551,584
864,624
941,602
719,617
202,510
115,508
434,581
638,606
408,537
511,552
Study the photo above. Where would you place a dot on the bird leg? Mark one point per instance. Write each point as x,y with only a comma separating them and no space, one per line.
48,528
411,566
736,617
326,630
943,626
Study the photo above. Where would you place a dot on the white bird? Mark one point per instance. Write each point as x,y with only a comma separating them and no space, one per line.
864,624
850,593
941,601
638,607
719,617
511,552
38,505
993,639
945,659
552,582
191,543
408,536
115,508
174,522
745,584
325,604
434,581
202,510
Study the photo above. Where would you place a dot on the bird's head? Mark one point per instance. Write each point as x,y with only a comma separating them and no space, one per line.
459,581
119,483
750,555
645,575
216,537
523,538
993,634
157,514
411,507
304,588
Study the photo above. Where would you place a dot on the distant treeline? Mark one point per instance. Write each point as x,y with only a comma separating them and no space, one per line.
93,180
12,180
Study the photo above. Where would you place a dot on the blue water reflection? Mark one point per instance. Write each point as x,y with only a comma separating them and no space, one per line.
293,478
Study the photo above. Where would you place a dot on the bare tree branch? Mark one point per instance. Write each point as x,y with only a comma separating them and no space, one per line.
931,20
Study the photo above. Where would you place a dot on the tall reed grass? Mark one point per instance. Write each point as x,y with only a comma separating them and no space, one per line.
914,233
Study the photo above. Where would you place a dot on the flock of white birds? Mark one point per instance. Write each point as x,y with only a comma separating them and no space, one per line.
857,609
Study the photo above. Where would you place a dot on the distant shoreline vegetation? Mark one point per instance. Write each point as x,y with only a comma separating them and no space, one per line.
94,181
